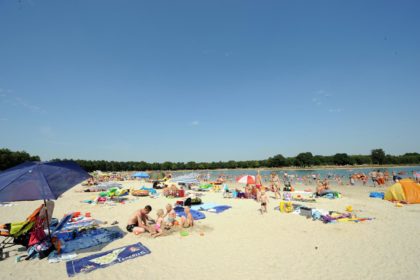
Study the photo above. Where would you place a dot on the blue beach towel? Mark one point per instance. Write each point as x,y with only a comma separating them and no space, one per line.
380,195
204,206
211,207
219,209
197,215
74,241
105,259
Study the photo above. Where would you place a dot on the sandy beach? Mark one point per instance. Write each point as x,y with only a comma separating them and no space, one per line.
240,243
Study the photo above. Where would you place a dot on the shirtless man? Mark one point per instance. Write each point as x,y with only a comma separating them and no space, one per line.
138,221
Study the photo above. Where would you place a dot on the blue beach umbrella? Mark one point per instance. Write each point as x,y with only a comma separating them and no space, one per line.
39,180
140,175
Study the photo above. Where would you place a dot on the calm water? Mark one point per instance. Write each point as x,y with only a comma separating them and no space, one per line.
404,172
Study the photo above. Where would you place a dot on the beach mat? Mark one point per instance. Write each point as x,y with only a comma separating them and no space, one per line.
101,260
219,209
197,215
380,195
204,206
211,207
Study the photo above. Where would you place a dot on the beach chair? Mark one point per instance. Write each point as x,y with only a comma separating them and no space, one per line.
18,233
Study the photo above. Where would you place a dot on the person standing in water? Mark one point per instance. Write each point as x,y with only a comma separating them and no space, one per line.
258,180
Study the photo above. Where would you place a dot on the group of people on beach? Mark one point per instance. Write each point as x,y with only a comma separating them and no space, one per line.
140,222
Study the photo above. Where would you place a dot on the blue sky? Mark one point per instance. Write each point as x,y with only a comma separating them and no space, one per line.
208,80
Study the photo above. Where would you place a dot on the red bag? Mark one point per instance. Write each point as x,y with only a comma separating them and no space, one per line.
38,233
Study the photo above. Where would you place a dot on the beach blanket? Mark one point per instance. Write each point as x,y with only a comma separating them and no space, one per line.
87,239
197,215
301,199
105,259
203,207
219,209
330,194
82,234
152,191
211,207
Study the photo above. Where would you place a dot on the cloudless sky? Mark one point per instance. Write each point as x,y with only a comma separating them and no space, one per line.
208,80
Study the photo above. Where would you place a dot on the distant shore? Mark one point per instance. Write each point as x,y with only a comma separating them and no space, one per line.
324,167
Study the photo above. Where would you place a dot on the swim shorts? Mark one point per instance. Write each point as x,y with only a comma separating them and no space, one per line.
130,228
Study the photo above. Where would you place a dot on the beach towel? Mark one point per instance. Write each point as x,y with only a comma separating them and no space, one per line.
203,207
87,239
219,209
152,191
197,215
380,195
101,260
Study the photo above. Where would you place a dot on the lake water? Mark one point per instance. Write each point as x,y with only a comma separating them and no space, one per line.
404,172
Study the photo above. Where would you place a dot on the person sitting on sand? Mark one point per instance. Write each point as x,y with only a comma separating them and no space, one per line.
188,220
159,224
220,180
137,223
322,187
264,202
170,216
170,191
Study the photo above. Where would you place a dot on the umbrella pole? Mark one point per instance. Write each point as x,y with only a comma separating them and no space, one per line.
48,222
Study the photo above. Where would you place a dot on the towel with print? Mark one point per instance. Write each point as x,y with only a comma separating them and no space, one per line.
101,260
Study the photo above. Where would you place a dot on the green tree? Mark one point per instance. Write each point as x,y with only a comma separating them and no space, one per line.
378,156
342,159
304,159
277,161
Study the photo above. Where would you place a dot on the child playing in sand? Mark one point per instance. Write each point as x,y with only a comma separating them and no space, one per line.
159,224
188,220
170,216
264,202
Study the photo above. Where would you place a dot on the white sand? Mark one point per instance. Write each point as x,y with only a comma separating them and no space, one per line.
240,243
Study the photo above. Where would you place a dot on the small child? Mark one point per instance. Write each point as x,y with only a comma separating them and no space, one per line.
188,220
170,216
264,202
159,224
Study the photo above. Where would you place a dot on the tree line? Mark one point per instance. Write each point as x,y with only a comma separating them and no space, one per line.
9,159
378,157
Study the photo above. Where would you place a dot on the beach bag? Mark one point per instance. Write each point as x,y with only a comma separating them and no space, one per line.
38,233
286,207
196,201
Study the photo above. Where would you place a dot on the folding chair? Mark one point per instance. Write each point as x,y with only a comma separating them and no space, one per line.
18,233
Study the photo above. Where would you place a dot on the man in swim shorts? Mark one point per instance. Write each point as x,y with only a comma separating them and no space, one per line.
137,223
